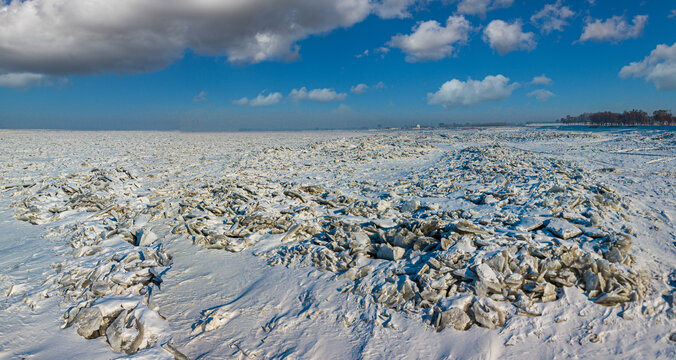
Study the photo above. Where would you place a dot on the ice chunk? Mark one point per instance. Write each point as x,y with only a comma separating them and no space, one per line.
563,229
410,206
453,317
145,237
529,224
488,314
388,252
125,333
88,322
487,276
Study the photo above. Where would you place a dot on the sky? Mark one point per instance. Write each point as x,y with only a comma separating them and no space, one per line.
228,65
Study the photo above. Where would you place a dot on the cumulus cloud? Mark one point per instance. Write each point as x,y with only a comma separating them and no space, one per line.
552,17
260,100
672,15
82,37
201,97
359,89
541,95
480,7
659,67
541,80
318,95
456,93
613,29
432,41
507,37
21,80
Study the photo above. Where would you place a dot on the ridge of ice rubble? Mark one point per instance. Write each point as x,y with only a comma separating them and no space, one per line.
479,250
483,233
116,262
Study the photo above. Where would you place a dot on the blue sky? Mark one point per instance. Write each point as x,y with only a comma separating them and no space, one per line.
124,69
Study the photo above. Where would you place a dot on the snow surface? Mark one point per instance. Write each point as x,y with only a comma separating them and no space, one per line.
213,303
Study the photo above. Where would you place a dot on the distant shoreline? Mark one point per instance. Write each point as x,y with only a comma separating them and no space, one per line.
407,128
633,117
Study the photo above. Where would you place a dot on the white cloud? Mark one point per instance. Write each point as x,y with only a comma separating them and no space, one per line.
364,54
672,15
260,100
541,95
359,89
480,7
388,9
79,37
552,17
362,88
342,109
21,80
318,95
456,93
382,51
507,37
242,102
613,29
541,80
201,97
431,41
659,67
266,100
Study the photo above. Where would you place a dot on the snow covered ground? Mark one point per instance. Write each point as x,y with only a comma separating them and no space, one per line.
461,244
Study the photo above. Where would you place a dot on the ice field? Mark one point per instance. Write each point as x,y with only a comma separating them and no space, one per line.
495,243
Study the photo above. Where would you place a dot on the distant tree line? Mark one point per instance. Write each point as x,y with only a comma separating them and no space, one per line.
467,124
627,118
